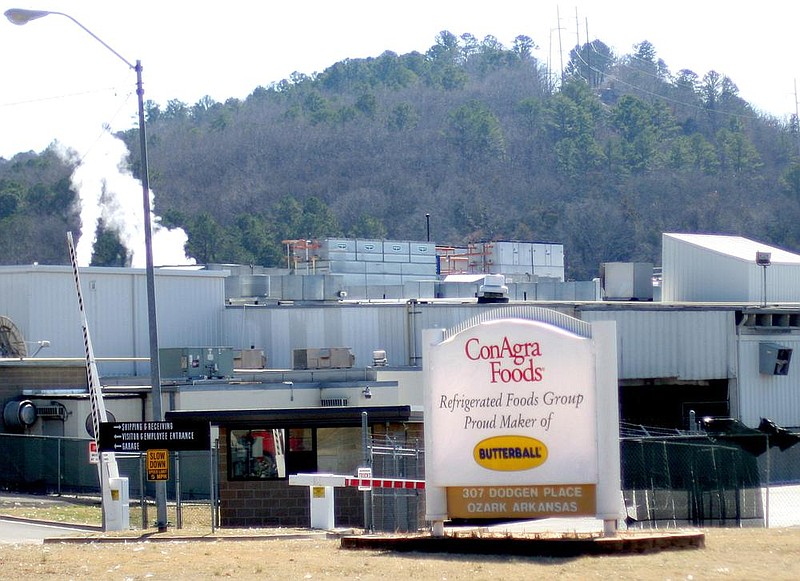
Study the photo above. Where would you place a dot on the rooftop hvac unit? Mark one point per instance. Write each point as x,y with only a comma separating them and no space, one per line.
325,358
250,359
379,358
627,281
196,362
493,289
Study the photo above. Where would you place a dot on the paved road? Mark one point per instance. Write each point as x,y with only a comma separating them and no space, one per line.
15,531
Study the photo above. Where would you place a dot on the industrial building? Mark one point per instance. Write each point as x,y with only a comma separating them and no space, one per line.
718,343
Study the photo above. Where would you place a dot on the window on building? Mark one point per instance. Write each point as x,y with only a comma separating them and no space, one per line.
271,454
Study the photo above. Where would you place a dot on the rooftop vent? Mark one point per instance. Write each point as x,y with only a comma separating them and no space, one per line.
493,289
379,358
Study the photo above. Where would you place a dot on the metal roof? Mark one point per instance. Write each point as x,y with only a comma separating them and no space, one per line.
737,247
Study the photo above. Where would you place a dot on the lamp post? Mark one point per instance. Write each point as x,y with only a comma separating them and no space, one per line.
20,17
764,259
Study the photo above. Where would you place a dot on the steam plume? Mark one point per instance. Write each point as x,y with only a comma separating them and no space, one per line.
108,191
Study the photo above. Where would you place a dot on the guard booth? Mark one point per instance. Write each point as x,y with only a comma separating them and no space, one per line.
260,449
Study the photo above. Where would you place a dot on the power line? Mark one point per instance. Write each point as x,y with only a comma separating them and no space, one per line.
57,97
620,63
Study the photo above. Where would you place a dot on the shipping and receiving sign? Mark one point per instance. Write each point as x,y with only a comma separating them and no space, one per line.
176,436
511,420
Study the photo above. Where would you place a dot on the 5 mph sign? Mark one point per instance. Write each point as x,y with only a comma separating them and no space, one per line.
157,465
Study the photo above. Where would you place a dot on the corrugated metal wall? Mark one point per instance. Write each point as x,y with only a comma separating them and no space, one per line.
43,301
14,295
776,397
279,329
682,344
396,328
692,273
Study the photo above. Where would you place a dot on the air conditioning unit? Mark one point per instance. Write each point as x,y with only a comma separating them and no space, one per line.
493,289
379,358
324,358
196,362
627,281
773,359
55,411
250,359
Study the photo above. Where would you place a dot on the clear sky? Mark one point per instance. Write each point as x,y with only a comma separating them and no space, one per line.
56,82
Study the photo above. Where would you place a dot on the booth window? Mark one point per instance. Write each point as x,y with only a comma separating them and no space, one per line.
271,454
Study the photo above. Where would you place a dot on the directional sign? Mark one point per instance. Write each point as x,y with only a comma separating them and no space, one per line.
143,436
158,464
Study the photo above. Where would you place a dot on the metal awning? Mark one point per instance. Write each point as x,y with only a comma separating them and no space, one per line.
300,417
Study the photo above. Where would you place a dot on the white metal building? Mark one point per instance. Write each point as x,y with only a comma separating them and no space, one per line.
706,357
42,301
706,268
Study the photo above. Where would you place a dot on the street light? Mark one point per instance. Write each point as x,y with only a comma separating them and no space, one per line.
22,16
764,259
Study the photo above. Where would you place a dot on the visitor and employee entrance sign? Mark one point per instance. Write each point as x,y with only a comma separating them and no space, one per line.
156,439
521,417
143,436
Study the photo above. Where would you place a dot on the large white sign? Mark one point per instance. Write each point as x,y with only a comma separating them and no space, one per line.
521,418
512,402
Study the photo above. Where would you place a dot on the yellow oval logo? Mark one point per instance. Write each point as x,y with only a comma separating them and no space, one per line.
509,453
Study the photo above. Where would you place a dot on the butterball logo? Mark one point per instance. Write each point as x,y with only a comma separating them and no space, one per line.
510,453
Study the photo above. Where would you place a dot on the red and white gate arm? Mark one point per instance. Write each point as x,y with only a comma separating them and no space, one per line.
337,480
386,483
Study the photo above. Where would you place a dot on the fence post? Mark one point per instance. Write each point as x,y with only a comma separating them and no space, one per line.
395,494
766,492
369,525
59,476
178,505
142,495
213,452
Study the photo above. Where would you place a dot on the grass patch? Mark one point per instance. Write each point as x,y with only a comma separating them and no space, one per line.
68,513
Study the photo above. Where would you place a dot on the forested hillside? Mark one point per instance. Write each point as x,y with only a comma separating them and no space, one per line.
603,158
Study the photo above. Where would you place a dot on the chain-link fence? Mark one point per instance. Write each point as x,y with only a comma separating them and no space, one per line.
672,478
396,509
62,466
669,478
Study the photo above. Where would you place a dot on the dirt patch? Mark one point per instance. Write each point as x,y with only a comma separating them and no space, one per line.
728,554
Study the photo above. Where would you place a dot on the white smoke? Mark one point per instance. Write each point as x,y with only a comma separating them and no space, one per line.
108,191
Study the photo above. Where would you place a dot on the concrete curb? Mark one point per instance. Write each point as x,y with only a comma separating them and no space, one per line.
155,537
51,523
519,545
152,538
